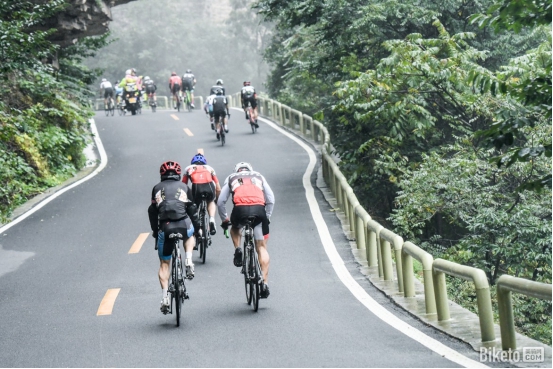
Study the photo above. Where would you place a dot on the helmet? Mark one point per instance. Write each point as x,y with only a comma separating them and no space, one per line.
198,159
128,71
133,70
188,71
243,166
219,82
245,83
169,166
146,78
218,91
173,73
248,83
104,80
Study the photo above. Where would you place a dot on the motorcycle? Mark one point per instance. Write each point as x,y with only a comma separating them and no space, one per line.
132,98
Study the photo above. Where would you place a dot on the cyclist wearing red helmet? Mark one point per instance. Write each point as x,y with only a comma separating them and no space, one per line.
204,181
172,211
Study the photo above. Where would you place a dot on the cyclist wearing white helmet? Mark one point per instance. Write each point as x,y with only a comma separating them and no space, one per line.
107,88
252,196
218,84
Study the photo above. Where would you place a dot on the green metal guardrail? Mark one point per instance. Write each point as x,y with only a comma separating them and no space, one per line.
377,240
505,285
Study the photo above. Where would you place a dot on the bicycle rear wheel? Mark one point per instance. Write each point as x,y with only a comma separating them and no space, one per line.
222,136
177,265
254,280
205,222
246,271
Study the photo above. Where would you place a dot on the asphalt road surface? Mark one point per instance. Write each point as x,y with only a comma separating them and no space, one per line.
57,265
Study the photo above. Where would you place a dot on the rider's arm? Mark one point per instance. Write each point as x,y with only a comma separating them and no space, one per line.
269,198
221,202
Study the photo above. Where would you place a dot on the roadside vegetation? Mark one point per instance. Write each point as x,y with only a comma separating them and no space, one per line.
440,112
43,110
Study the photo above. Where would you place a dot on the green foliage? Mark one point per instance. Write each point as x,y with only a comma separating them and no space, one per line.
43,112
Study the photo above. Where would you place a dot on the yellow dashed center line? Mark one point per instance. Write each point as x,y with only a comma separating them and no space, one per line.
106,306
188,132
174,117
201,151
137,245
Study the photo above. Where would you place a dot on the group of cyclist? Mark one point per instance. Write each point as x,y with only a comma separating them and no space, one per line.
184,84
175,201
130,83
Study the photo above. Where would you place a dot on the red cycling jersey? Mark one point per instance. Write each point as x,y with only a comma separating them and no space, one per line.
247,188
199,174
174,80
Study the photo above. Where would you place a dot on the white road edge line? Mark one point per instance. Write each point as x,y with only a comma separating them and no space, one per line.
103,162
349,281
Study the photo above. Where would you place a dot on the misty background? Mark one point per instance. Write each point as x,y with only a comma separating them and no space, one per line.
214,38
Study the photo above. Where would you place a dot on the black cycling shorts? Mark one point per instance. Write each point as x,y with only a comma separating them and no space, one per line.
176,88
252,101
187,85
108,91
183,226
217,114
201,188
240,214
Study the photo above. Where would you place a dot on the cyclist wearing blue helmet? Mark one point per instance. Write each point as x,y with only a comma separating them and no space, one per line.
203,179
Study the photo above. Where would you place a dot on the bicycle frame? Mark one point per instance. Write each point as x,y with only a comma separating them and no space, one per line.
253,276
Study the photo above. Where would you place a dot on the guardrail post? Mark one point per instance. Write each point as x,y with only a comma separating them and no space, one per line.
373,248
483,299
391,239
408,251
506,284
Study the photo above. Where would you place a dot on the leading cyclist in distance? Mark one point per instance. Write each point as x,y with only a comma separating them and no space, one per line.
171,211
203,180
252,196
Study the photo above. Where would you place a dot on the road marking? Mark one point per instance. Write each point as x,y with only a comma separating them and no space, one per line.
201,151
188,132
348,280
137,245
106,306
174,117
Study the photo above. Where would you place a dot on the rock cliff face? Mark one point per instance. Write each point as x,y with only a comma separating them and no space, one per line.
80,19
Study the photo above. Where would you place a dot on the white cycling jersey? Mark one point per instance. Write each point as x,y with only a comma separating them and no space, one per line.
106,84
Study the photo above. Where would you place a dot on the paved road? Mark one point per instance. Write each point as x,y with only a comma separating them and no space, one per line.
57,265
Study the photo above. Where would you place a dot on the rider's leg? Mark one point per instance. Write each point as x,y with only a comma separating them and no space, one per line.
264,260
164,274
236,236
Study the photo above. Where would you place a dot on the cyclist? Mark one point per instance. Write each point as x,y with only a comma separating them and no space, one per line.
248,95
208,108
218,84
188,83
251,195
171,211
108,91
174,87
220,111
203,180
118,92
150,88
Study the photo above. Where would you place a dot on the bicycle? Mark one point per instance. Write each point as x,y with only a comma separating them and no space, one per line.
120,106
188,100
151,102
177,289
253,278
110,107
249,114
220,123
205,237
179,100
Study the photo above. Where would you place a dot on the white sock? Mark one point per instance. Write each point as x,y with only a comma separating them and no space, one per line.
188,255
163,292
211,220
